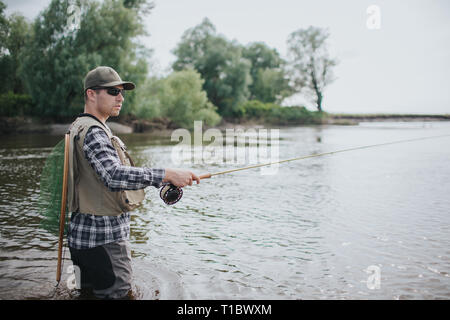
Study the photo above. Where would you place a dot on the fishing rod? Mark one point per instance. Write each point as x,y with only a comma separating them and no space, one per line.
171,194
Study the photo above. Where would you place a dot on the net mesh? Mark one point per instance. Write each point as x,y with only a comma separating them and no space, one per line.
50,195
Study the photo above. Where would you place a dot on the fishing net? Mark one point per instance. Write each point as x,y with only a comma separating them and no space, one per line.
51,183
50,195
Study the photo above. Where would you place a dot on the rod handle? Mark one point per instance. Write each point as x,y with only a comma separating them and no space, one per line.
205,176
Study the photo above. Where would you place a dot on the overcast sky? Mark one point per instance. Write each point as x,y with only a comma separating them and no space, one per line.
402,67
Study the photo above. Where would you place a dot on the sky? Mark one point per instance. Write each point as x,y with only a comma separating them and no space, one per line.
401,67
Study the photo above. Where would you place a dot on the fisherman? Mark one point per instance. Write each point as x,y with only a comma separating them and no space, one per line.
103,186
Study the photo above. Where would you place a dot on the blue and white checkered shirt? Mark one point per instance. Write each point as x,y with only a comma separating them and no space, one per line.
88,230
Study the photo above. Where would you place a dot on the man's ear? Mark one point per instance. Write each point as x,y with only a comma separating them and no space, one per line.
90,94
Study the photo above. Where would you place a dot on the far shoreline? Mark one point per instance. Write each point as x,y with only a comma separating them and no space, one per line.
390,117
162,127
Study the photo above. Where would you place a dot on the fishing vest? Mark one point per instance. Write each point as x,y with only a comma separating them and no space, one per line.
86,191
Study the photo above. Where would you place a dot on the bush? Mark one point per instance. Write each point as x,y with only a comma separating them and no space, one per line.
12,105
256,109
179,97
148,104
275,114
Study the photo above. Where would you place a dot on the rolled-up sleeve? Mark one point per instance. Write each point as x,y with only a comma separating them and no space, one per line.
105,161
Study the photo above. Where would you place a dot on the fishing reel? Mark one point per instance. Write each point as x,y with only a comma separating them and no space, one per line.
170,194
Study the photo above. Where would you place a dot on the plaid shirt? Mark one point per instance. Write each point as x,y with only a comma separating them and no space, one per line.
88,230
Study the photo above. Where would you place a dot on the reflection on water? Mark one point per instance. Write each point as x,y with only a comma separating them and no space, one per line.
315,230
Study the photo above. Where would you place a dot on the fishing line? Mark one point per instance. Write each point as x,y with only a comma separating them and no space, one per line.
173,194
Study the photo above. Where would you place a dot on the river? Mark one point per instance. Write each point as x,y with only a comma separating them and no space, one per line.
365,224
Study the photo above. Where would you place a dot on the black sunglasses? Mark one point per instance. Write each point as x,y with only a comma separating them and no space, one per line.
111,90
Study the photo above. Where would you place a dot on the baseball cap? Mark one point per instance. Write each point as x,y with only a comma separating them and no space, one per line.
105,77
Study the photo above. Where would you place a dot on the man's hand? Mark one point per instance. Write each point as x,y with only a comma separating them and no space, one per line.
180,178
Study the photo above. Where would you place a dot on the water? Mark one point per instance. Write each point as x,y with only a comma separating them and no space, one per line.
366,224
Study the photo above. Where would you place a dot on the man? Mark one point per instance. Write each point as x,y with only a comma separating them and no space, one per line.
103,186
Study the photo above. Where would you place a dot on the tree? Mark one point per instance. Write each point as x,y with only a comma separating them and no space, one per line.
220,63
5,63
14,31
18,33
311,66
270,82
179,97
58,57
4,27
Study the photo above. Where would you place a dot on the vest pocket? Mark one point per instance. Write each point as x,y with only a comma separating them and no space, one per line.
130,199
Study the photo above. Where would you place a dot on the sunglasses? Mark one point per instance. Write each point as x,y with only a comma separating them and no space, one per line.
111,90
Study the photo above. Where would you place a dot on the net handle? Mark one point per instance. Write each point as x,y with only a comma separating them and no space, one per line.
62,217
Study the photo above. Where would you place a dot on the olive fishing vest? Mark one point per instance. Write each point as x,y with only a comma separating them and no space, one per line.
86,191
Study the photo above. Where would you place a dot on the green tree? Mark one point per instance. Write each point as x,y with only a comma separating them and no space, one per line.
5,61
270,81
179,97
18,34
4,27
58,56
311,65
220,63
14,31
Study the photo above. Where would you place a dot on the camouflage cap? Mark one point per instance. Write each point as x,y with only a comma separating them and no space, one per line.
105,77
